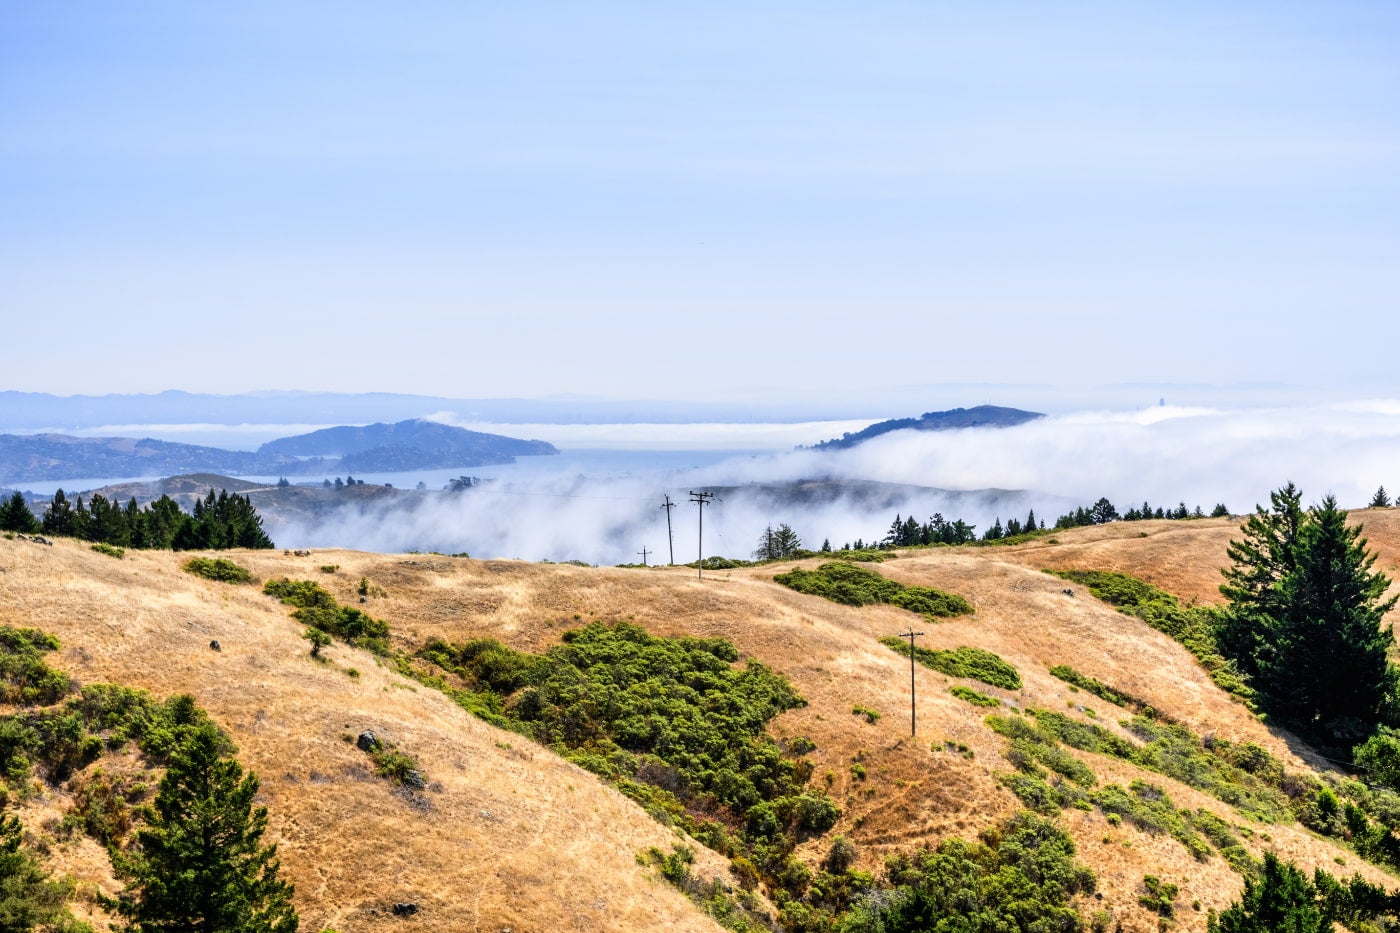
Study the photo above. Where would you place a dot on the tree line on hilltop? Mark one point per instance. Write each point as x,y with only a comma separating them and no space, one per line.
222,520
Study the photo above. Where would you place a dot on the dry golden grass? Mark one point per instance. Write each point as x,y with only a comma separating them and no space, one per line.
512,836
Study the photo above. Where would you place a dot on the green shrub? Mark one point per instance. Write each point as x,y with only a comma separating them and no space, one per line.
845,583
1159,896
973,697
872,716
318,609
217,568
1021,878
109,550
25,680
972,663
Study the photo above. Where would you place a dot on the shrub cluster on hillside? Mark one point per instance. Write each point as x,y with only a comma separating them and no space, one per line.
972,663
850,585
191,859
676,726
318,609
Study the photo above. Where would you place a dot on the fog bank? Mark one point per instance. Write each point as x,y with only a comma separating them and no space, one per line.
1162,454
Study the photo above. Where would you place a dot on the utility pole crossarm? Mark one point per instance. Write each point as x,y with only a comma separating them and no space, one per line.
701,499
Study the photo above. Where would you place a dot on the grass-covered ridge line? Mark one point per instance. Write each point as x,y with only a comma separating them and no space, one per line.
1192,626
972,663
845,583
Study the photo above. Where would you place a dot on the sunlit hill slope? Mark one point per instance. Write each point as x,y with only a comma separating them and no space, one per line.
508,835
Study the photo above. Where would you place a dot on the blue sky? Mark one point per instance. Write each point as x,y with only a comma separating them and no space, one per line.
700,201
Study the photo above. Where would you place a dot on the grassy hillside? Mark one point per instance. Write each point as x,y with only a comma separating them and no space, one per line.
507,834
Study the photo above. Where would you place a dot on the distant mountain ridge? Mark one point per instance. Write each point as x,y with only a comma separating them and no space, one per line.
981,416
407,445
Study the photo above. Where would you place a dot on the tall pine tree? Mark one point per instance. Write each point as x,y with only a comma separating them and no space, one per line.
200,863
1330,674
15,516
1306,620
1260,562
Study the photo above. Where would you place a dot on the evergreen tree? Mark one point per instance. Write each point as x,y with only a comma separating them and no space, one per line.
28,899
200,863
777,543
1305,619
1259,563
1282,900
82,521
1103,512
1221,510
107,522
1381,500
1030,521
58,517
1331,675
15,516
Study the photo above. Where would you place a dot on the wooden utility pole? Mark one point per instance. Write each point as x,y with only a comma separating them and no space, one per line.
911,635
701,499
670,540
644,553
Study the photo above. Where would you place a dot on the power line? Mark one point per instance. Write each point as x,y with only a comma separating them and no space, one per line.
644,553
701,499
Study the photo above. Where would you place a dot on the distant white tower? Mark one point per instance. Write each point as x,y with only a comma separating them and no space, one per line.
1161,403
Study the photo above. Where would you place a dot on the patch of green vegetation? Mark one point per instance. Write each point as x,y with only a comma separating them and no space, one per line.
1032,747
1097,687
1021,538
1021,876
1192,626
391,763
25,680
1216,767
1148,808
217,568
739,910
109,550
715,562
1159,896
673,723
972,663
317,608
973,697
845,583
872,716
